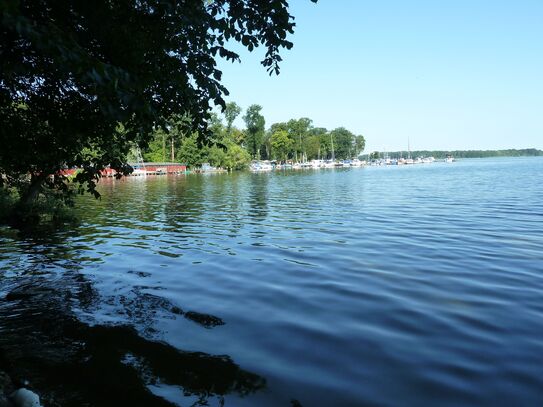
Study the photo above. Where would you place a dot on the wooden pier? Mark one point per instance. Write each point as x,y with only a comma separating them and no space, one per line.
140,169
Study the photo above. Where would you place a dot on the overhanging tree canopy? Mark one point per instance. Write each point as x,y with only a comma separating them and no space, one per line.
71,71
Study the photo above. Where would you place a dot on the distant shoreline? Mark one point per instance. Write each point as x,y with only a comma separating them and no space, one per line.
525,152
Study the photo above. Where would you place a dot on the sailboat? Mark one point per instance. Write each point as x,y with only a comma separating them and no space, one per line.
409,159
318,163
386,158
140,168
331,163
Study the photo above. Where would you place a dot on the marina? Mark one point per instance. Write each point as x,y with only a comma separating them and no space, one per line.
266,165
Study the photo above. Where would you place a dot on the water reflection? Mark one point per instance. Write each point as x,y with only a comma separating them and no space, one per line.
225,202
75,363
258,196
352,287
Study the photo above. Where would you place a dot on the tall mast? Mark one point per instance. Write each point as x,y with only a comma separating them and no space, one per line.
332,140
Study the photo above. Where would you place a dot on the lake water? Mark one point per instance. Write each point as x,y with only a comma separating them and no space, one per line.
411,285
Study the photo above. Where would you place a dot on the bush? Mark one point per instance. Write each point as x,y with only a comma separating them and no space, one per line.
8,199
48,209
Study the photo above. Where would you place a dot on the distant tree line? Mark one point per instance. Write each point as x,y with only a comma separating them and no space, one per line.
525,152
232,148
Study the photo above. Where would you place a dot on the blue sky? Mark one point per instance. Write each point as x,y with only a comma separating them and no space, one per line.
447,74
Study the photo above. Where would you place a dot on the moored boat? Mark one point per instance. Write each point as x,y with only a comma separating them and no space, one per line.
261,166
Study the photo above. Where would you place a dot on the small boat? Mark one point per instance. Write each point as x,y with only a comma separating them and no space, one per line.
449,159
261,166
356,163
139,172
207,168
317,163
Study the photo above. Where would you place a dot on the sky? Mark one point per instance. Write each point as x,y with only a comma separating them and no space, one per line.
445,75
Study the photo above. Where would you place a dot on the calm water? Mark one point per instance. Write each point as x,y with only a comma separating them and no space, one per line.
418,285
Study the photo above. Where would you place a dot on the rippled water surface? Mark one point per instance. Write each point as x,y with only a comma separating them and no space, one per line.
419,285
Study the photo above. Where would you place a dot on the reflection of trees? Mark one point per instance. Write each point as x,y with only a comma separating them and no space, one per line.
153,203
187,204
76,364
258,196
135,201
223,194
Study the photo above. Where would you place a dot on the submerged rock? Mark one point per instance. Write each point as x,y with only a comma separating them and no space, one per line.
206,320
177,310
25,398
25,292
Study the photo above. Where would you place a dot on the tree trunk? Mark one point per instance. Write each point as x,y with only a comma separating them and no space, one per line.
163,148
31,194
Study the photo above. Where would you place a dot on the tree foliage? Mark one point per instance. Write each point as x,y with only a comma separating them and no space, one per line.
298,131
281,144
294,140
343,142
236,157
310,142
319,145
255,129
189,153
158,148
231,112
216,156
70,72
359,144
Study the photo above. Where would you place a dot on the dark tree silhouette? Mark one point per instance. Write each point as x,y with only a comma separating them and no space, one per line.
72,72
